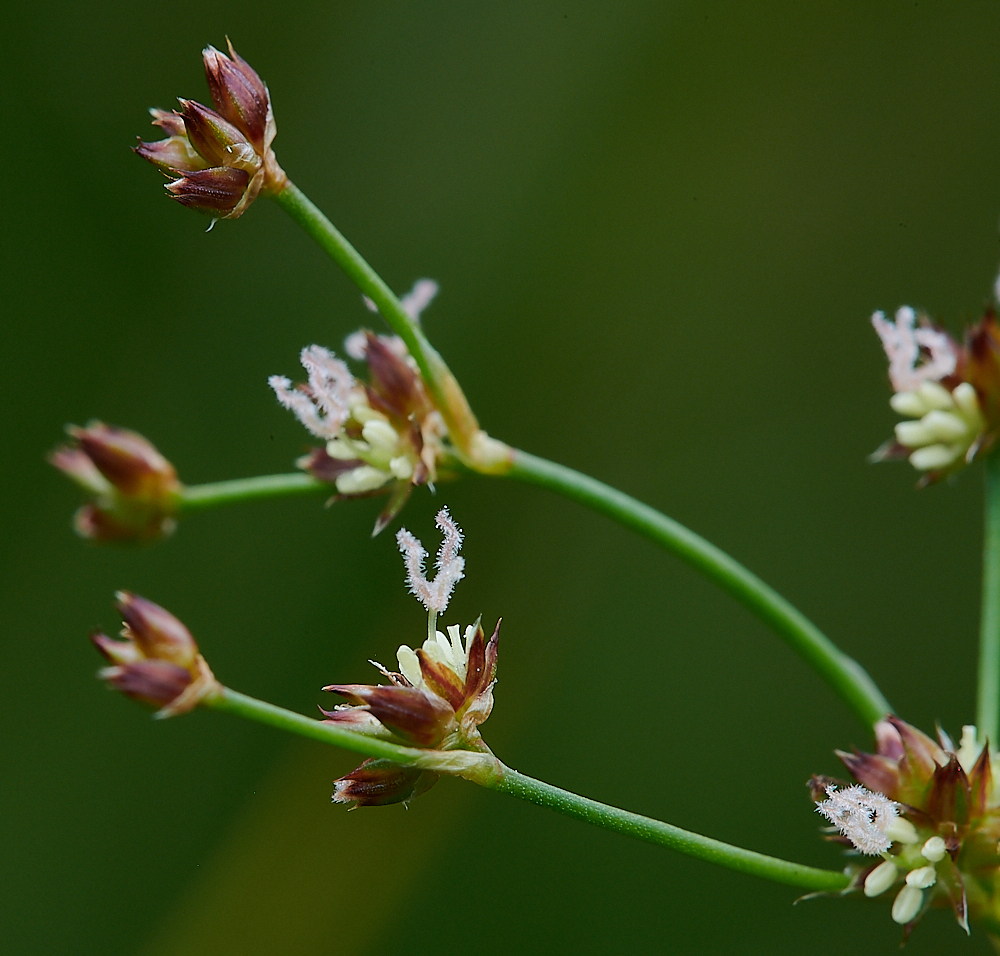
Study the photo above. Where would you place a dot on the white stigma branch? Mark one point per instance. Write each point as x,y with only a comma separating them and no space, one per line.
450,565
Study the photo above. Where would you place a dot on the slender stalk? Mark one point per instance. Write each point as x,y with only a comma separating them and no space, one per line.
535,791
654,831
847,678
217,493
240,705
988,710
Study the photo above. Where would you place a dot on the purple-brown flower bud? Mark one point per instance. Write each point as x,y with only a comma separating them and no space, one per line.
219,160
377,783
135,489
157,662
240,95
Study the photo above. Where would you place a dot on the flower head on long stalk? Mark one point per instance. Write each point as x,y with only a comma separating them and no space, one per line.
157,662
219,160
437,700
383,436
134,489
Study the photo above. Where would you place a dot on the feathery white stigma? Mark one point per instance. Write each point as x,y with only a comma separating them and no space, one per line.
434,595
902,344
324,404
860,815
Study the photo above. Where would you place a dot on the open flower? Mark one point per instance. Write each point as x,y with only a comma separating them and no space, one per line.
950,393
931,811
219,160
383,436
439,697
157,662
134,488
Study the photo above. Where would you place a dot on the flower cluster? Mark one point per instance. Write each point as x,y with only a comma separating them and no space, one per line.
219,160
437,700
134,488
949,392
383,436
157,662
930,810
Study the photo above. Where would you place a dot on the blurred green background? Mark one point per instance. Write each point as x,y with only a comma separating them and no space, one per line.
660,229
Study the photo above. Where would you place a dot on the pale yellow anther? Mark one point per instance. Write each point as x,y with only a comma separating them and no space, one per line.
361,479
913,434
934,849
401,468
908,403
409,665
881,878
945,426
380,435
907,904
901,830
365,413
935,395
966,399
343,449
931,457
922,878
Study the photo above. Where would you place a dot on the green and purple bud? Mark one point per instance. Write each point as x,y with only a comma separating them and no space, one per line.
219,160
135,489
157,662
378,783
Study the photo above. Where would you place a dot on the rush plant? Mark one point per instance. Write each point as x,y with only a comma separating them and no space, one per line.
920,820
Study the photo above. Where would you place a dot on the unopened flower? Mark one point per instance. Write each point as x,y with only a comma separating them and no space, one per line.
949,393
134,488
219,160
437,700
157,662
383,436
944,852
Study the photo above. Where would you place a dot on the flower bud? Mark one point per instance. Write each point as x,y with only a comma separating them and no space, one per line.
157,662
135,489
240,95
377,783
217,141
219,160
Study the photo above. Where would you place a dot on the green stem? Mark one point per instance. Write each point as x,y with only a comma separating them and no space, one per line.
847,678
240,705
534,791
330,239
654,831
217,493
988,711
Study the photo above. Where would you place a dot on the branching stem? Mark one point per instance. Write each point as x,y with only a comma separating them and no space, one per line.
988,710
535,791
847,678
